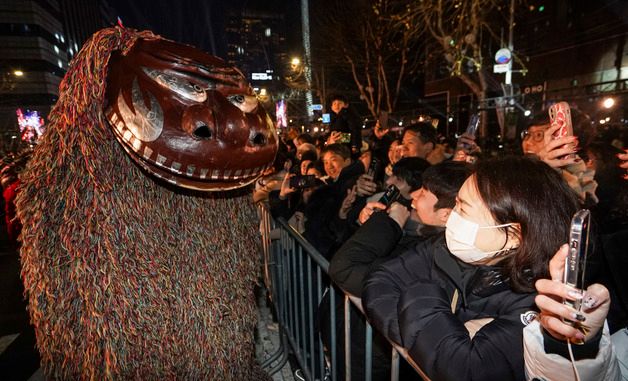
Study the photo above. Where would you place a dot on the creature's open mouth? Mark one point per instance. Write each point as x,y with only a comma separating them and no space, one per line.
188,176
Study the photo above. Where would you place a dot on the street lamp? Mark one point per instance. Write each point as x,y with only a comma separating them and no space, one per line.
295,61
18,73
608,102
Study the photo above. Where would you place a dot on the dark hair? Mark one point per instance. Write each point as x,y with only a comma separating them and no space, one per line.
424,131
306,138
309,155
338,149
527,191
540,119
317,165
410,170
445,180
338,97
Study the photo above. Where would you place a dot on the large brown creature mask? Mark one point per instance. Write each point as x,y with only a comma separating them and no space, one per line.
187,117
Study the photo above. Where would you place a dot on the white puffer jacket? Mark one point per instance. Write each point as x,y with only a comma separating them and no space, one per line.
552,367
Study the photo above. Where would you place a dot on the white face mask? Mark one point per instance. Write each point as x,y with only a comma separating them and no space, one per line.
461,234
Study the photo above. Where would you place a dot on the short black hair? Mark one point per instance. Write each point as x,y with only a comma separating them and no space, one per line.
539,119
338,97
410,170
338,149
424,131
309,155
445,180
317,165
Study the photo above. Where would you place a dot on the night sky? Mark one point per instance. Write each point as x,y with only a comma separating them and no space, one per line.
199,22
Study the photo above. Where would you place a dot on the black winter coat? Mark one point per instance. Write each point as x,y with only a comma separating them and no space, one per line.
347,121
375,242
410,300
323,207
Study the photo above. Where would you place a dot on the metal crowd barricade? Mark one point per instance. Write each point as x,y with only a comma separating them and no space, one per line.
296,278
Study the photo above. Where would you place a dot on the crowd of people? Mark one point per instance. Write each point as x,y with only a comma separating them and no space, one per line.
458,255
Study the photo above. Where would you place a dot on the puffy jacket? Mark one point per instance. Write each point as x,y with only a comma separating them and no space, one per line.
410,299
375,242
541,365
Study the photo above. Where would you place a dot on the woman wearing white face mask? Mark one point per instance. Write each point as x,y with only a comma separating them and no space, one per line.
459,303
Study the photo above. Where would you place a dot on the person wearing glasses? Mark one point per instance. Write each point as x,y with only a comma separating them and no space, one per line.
562,153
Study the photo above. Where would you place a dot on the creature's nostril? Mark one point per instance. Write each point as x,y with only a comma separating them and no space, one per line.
202,132
259,139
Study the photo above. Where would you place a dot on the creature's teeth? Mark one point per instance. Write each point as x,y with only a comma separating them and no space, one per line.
176,167
214,175
127,135
199,123
161,160
204,172
120,126
246,172
113,118
171,180
137,144
226,174
190,171
237,174
147,152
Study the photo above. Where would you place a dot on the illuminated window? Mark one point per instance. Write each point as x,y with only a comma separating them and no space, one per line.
267,32
56,49
60,64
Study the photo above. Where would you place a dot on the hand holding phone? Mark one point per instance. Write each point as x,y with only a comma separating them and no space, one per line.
575,263
560,118
374,168
466,148
390,195
304,181
345,137
587,307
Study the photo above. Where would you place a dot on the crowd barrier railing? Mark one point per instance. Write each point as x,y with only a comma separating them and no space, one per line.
296,277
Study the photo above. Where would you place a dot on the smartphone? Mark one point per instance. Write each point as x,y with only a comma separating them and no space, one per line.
374,168
575,264
472,127
345,137
303,181
390,195
471,131
560,114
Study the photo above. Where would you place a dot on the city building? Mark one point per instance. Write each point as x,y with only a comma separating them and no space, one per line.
38,38
256,44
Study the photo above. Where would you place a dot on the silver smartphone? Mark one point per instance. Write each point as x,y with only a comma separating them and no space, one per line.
575,264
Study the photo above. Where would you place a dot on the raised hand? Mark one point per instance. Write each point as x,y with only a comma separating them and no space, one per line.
595,304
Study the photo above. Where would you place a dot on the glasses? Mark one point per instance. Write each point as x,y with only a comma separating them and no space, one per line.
537,136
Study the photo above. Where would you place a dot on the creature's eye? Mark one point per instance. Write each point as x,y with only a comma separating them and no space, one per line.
246,103
179,85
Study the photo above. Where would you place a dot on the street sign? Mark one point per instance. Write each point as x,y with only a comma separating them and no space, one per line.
501,68
316,107
534,89
503,56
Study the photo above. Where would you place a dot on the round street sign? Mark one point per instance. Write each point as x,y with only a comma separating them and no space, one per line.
503,56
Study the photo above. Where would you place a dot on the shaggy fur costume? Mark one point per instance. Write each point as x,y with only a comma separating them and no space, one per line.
126,277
